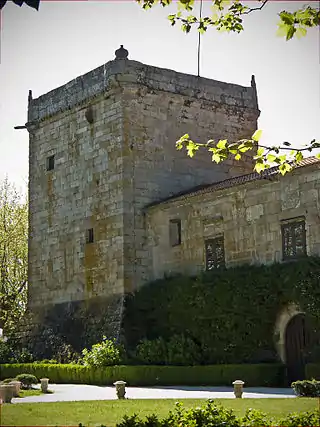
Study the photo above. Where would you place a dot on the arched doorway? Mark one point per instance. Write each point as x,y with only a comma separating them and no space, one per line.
296,341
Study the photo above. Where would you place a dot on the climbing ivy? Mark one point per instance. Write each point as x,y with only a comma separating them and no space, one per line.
229,314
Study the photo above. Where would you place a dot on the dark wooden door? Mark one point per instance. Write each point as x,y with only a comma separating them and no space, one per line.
296,343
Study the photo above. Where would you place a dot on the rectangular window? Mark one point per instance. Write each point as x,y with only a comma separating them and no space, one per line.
215,253
175,232
89,236
50,163
293,238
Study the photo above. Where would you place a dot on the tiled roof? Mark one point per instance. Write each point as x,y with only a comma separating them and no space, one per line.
232,182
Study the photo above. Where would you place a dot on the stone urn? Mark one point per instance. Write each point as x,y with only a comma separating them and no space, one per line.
6,392
16,387
238,388
44,384
120,389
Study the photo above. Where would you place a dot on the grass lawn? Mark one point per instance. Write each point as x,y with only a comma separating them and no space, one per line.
110,412
31,392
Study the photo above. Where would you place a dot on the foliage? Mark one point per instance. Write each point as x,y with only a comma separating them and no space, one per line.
212,414
178,350
110,412
56,347
229,328
313,370
265,157
32,3
228,16
302,419
13,256
9,353
306,388
27,380
255,418
7,380
147,375
106,353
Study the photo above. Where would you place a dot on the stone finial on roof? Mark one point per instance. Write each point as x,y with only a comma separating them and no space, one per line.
121,53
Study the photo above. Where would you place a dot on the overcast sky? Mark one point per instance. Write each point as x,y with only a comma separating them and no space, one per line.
45,49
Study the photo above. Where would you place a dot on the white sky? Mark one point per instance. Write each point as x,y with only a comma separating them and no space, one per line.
43,50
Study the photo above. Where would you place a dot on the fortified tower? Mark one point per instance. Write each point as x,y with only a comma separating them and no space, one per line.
102,147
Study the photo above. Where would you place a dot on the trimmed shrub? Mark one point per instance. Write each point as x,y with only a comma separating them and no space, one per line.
27,380
306,388
106,353
217,375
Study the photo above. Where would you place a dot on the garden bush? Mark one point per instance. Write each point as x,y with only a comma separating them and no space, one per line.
306,388
217,375
27,380
302,419
106,353
214,415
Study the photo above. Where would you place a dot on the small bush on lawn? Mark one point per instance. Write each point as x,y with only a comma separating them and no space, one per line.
306,388
302,419
255,418
8,380
27,380
106,353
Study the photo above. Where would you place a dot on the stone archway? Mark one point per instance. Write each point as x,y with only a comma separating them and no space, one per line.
284,317
291,340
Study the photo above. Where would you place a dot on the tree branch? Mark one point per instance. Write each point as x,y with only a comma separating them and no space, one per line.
255,8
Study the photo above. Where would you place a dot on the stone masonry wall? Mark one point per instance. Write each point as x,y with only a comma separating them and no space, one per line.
153,121
248,216
83,191
107,171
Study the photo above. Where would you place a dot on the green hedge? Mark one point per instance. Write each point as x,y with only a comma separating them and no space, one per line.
217,375
313,371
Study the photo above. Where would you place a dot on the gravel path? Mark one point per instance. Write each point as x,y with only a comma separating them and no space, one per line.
72,392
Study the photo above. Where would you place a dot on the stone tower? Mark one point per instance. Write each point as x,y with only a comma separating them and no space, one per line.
102,147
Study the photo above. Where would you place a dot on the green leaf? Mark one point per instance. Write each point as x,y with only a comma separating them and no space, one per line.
290,33
298,156
260,151
318,155
257,135
216,158
282,30
271,158
301,32
259,167
237,156
284,168
222,143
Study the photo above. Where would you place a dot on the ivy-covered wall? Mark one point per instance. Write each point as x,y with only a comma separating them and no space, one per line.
230,314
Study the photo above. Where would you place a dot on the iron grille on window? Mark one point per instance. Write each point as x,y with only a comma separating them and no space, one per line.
294,239
175,232
215,253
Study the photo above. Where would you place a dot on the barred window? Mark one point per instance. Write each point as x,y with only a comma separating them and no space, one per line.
293,239
175,232
215,257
